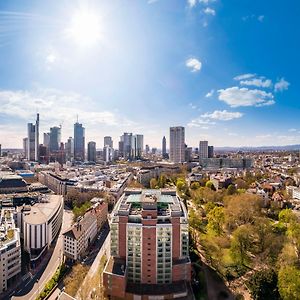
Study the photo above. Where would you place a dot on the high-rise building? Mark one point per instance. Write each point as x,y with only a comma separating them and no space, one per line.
108,141
121,148
79,142
203,149
108,154
54,139
164,148
149,247
137,146
30,141
69,148
127,144
177,144
37,137
210,151
25,147
46,141
92,151
147,149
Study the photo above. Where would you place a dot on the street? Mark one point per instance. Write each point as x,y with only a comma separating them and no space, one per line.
31,287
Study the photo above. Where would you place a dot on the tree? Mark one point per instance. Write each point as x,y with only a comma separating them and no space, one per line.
216,219
263,285
289,283
153,183
241,209
231,189
209,184
241,244
195,185
286,216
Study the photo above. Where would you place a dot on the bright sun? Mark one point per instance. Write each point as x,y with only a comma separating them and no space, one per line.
84,28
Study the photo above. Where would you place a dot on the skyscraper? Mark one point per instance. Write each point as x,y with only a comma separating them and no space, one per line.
164,148
126,138
31,141
149,247
137,146
92,151
69,148
37,137
177,144
210,151
54,139
203,149
79,142
108,141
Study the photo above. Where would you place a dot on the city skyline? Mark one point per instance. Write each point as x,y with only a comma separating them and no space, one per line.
231,98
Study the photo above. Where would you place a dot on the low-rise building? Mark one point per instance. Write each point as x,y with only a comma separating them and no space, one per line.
10,250
80,236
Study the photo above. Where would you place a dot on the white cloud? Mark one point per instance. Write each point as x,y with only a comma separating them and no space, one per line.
192,3
56,107
194,64
292,129
259,82
244,76
193,106
209,11
222,115
261,18
200,122
206,1
235,96
281,85
210,94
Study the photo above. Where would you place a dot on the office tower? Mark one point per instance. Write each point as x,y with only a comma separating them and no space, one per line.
137,146
25,147
127,145
0,150
108,154
177,145
153,150
147,150
149,247
210,151
54,139
188,153
79,142
46,141
92,151
203,149
69,148
164,148
37,137
121,148
30,141
108,141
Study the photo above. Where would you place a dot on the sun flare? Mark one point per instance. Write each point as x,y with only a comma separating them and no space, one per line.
85,28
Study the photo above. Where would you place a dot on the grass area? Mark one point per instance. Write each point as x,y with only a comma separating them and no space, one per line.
74,279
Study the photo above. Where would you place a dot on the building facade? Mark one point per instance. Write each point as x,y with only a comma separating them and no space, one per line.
92,151
177,144
149,247
203,149
79,142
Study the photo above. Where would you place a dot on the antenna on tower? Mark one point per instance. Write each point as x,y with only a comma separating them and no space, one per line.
77,117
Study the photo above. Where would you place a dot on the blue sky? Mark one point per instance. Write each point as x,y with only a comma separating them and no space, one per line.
226,70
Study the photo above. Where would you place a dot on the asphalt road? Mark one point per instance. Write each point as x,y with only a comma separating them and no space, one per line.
31,287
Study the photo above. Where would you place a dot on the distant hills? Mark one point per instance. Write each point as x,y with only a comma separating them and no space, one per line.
259,149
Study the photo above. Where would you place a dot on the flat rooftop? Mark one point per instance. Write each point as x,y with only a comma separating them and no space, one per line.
43,210
115,266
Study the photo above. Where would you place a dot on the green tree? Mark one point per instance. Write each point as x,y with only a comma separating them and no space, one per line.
195,185
209,184
289,283
231,189
263,285
241,244
216,220
286,216
153,183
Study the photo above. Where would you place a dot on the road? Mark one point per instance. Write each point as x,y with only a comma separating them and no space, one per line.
31,287
105,250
